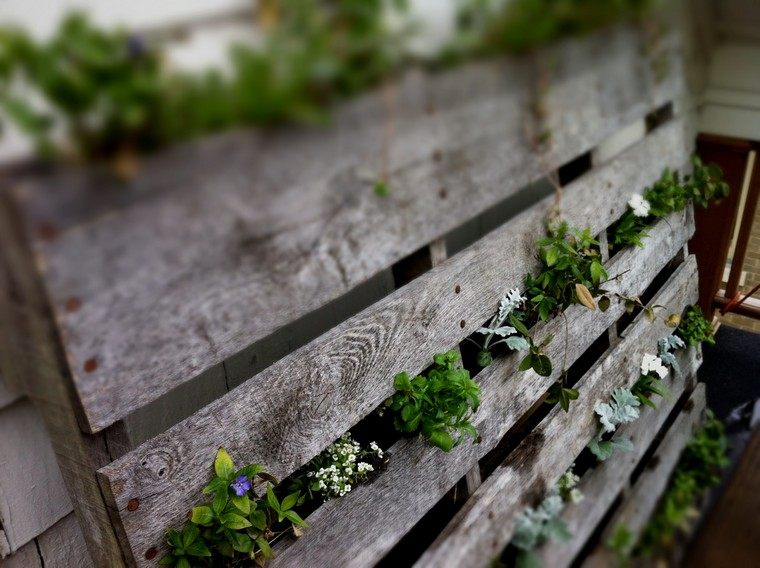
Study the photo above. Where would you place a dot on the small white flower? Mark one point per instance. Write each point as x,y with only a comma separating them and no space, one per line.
576,496
652,363
639,205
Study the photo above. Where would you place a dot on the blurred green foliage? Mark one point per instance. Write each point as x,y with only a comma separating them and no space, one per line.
111,94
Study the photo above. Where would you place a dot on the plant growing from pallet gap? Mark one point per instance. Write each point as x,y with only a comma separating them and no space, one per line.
537,525
699,468
238,523
670,193
439,404
694,329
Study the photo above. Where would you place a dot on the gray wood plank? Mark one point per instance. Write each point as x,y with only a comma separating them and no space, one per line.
359,529
33,496
63,546
26,557
484,526
644,496
604,483
292,410
222,243
31,358
7,396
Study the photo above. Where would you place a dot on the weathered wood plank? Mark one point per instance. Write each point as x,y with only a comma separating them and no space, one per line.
645,494
7,396
418,475
63,546
603,484
32,493
26,557
221,243
30,357
324,388
484,526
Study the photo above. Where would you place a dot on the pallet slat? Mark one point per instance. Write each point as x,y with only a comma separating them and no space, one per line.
155,312
373,518
642,501
484,526
603,485
324,388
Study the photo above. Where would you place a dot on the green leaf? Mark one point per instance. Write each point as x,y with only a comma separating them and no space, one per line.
216,484
183,562
242,504
442,439
289,501
526,363
263,545
234,521
519,325
295,518
202,515
542,365
401,382
552,254
197,548
484,358
258,519
167,560
597,271
220,502
189,534
223,464
272,500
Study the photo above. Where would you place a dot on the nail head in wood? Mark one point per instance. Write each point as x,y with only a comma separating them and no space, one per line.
73,304
133,505
90,365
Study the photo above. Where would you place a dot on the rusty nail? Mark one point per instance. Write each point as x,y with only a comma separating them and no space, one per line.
133,504
73,304
150,554
90,365
47,231
457,289
461,324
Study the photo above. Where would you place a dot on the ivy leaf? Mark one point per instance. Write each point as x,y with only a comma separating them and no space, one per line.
584,296
295,518
258,519
223,464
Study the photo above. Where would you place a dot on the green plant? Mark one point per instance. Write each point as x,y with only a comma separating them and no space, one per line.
621,543
694,329
509,335
439,404
489,26
536,525
670,193
237,523
571,271
622,409
698,469
112,96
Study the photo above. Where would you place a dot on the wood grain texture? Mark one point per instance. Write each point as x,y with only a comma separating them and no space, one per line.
32,493
359,529
220,243
645,494
295,408
26,557
63,546
604,483
31,358
7,396
484,526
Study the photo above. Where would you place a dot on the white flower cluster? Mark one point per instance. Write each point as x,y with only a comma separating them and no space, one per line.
342,467
639,205
653,364
567,486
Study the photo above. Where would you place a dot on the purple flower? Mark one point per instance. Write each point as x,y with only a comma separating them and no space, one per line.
241,485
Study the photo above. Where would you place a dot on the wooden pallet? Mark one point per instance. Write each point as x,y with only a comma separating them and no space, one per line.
240,293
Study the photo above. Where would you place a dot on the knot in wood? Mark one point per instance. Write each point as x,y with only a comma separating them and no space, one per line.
158,464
